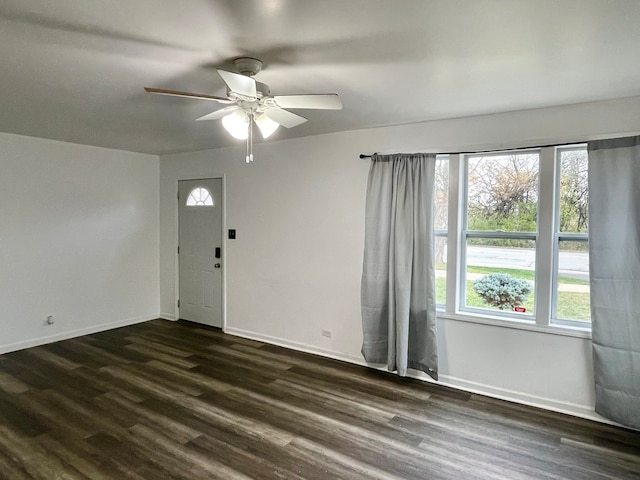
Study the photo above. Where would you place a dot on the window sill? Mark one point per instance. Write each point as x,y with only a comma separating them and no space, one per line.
517,324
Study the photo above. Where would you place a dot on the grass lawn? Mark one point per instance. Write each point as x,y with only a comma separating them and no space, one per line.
574,306
571,305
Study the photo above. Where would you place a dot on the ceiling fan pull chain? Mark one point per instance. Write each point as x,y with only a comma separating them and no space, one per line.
250,140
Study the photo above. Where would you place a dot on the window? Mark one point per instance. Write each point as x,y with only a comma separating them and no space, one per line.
516,231
572,238
441,202
499,236
200,197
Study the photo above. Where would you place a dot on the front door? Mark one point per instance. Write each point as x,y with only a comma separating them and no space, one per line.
200,250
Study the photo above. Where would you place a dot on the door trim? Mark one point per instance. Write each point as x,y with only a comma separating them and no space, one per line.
176,238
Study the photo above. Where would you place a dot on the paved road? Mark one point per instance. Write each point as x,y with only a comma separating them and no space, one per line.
572,264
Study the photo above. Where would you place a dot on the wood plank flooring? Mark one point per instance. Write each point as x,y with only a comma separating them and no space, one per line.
174,400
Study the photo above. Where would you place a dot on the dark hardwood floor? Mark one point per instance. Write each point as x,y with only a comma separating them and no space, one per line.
179,401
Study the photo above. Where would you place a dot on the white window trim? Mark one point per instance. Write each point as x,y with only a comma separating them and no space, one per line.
546,237
559,236
562,330
545,249
453,239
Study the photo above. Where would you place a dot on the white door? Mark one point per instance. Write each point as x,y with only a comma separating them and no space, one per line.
200,250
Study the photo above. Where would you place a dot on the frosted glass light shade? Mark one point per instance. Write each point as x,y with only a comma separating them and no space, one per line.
266,125
237,124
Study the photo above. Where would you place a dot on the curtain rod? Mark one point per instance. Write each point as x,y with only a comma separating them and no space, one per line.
363,155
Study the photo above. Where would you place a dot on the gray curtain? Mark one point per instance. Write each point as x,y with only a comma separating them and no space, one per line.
614,251
398,294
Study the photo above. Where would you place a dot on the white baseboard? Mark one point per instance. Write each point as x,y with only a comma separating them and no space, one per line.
12,347
167,316
582,411
295,346
523,398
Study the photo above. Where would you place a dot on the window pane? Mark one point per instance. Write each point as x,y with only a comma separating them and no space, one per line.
574,191
502,192
200,197
500,274
441,211
573,298
441,269
441,193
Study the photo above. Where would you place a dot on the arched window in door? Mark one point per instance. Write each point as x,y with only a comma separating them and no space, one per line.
200,197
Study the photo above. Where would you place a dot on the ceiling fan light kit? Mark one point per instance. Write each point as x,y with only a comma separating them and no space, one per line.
266,125
250,102
237,124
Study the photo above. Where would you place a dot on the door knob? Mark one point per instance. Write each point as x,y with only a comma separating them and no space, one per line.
217,265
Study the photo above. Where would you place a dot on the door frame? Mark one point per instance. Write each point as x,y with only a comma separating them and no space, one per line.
176,239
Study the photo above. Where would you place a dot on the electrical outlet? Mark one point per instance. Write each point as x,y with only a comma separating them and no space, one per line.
326,333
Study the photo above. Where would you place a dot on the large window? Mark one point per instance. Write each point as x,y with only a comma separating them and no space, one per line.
515,227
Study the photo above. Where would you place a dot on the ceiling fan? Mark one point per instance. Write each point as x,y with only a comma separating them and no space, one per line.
249,102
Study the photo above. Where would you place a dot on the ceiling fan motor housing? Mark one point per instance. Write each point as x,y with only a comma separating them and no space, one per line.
248,66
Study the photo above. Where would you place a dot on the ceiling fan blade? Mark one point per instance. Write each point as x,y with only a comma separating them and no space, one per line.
323,101
284,118
218,113
239,84
177,93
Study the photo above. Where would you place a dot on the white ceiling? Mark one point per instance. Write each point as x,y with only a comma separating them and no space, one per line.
74,70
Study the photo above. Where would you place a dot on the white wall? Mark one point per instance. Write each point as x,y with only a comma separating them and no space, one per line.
78,239
295,267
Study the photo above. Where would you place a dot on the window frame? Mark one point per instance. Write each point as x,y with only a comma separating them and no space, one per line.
466,234
444,233
558,237
200,203
546,238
